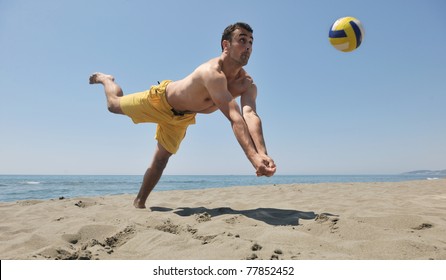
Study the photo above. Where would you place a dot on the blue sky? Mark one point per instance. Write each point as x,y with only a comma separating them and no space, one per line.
377,110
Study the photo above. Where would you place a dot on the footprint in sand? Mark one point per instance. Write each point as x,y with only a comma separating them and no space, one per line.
203,217
80,204
169,227
256,247
85,255
71,238
333,219
252,257
231,220
423,226
85,203
278,251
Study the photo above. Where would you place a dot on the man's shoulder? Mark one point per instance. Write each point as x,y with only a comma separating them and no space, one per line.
211,69
214,64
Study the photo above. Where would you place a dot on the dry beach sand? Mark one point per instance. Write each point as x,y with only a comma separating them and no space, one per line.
404,220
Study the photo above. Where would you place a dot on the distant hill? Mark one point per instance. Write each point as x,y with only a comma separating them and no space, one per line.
427,172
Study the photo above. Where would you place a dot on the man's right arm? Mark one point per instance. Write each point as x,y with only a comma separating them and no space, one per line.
216,84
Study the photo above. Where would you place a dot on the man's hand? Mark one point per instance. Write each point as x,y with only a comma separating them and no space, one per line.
265,166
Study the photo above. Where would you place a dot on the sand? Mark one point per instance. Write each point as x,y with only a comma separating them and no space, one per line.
331,221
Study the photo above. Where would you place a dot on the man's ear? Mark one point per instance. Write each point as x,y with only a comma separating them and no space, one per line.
225,45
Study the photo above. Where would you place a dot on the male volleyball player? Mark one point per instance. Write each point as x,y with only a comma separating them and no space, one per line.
173,105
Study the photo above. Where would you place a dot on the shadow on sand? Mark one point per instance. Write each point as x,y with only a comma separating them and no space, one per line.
271,216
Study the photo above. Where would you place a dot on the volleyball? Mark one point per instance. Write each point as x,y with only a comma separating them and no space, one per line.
346,34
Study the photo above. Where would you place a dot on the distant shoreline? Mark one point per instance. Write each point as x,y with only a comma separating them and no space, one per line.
426,172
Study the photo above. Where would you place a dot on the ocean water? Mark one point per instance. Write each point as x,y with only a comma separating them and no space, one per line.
27,187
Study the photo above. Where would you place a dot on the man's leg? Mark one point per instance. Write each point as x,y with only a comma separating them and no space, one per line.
152,175
113,91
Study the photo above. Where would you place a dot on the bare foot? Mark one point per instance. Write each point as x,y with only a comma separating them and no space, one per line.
138,204
99,78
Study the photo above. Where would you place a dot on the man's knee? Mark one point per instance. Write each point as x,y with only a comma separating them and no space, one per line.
161,157
160,163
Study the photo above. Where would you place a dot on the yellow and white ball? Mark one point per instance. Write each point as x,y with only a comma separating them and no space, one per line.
346,34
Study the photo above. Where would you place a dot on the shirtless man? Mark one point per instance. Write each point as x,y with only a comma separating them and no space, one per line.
173,105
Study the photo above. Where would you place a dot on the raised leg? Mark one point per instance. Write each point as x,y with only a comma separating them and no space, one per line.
113,91
152,175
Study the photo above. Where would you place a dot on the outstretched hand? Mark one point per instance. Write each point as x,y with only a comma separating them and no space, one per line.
267,167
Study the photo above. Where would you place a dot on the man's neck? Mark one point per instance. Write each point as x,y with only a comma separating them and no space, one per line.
229,67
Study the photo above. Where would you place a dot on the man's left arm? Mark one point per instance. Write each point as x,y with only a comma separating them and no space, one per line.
254,123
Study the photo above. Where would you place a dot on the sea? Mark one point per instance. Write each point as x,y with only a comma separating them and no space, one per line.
42,187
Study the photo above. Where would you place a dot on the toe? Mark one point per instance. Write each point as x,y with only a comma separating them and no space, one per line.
92,79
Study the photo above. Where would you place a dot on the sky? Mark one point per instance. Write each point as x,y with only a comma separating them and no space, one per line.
377,110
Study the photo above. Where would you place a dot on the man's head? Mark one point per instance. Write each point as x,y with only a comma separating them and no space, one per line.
227,33
239,36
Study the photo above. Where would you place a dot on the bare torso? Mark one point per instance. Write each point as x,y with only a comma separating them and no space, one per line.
190,94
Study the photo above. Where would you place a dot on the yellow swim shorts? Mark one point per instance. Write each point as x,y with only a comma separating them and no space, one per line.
151,106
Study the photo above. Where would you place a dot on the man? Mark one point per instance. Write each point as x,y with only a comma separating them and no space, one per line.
173,105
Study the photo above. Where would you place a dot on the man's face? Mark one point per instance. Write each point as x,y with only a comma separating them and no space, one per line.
241,46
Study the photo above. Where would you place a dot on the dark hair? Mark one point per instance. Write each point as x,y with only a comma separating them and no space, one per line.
227,33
